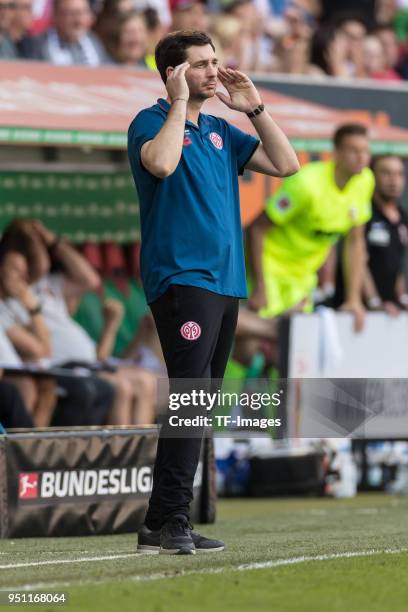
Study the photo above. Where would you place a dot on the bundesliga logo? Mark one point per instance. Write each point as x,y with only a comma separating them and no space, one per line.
216,140
190,330
28,485
85,483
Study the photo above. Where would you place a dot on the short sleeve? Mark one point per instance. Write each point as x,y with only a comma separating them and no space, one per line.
146,125
244,145
290,199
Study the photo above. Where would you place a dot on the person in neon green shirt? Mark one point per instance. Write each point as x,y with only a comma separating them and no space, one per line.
312,210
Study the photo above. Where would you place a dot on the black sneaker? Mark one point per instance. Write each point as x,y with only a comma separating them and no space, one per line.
149,542
175,537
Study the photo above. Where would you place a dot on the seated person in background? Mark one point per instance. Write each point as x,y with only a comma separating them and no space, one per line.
70,344
85,401
71,41
38,395
387,238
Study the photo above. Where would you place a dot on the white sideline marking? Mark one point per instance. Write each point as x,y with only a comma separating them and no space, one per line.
216,570
61,561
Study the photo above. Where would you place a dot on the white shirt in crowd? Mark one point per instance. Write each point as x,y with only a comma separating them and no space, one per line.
69,341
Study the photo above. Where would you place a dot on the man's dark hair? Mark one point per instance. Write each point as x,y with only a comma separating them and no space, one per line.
382,27
17,238
345,16
57,4
376,159
171,50
348,129
322,39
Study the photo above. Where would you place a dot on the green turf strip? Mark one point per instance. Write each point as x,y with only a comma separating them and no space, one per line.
255,531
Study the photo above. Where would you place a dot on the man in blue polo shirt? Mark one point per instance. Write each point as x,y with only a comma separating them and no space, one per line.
186,165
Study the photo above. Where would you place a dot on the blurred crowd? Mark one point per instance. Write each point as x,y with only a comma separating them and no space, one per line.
339,38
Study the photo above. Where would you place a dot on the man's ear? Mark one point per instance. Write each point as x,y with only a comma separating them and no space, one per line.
169,70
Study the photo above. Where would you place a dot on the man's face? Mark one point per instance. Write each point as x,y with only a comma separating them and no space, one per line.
390,47
7,9
201,77
353,154
193,18
354,31
133,40
13,270
72,19
389,178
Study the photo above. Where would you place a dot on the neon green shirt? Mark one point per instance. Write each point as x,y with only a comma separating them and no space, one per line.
309,214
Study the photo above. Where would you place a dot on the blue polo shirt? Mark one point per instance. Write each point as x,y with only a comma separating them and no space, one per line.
190,221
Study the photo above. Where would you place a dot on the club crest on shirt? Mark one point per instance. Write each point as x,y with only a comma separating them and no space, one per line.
190,330
216,140
187,140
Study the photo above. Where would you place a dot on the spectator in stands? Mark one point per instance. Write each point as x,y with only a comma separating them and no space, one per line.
20,26
386,11
328,52
290,241
31,343
85,401
70,41
112,10
71,345
228,37
129,42
375,63
251,56
293,49
337,50
354,29
189,15
8,50
390,50
387,238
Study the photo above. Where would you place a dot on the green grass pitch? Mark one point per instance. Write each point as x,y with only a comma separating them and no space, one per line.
301,547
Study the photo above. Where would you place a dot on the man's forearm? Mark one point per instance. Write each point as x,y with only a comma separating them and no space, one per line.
162,154
76,266
354,265
276,144
39,328
107,340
